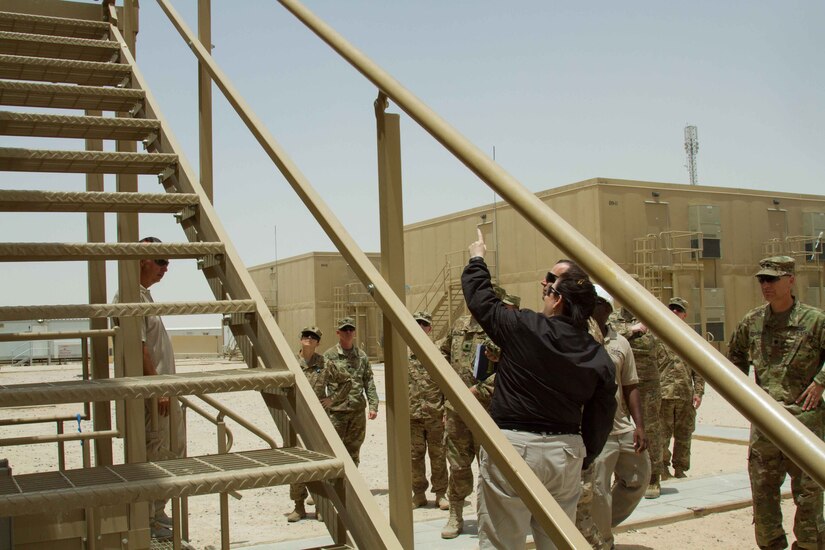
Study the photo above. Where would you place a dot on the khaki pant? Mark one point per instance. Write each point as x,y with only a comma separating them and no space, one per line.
503,519
158,440
613,502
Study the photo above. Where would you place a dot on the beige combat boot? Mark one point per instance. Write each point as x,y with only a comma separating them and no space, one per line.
455,525
441,501
653,490
680,473
419,500
298,513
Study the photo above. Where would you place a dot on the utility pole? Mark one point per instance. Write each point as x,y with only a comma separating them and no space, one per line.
692,149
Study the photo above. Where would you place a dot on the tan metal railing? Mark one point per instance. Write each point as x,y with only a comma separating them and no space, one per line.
798,442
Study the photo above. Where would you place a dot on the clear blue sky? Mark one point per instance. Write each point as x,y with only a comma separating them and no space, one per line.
564,91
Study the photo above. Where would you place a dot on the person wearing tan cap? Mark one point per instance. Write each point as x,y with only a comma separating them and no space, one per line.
426,428
784,340
331,385
682,391
349,420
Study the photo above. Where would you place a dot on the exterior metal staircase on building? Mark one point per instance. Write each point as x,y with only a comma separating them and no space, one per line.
87,66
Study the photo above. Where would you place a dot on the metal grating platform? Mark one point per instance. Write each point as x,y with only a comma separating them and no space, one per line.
57,26
128,483
96,311
53,252
87,73
57,47
144,387
84,162
64,96
14,200
66,126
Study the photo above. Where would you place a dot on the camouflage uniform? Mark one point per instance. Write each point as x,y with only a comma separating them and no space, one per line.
679,385
648,351
348,417
786,351
459,348
426,429
327,380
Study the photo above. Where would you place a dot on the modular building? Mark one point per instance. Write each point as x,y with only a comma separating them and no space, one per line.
26,352
699,242
318,288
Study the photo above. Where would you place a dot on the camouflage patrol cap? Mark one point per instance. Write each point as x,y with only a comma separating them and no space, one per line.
678,302
423,316
776,266
511,300
346,322
312,330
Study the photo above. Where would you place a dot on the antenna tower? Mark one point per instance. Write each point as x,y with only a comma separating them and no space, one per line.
692,149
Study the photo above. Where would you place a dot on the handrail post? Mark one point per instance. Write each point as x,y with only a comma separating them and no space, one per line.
205,100
224,498
61,449
395,356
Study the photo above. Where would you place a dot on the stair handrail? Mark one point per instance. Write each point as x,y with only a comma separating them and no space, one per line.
766,414
439,282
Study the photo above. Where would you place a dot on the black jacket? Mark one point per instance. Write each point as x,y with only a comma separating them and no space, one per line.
552,376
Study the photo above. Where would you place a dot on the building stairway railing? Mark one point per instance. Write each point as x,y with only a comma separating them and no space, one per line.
58,63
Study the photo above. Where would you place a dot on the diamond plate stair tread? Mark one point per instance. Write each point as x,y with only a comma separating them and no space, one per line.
144,387
62,201
84,162
128,483
87,73
56,26
95,311
65,96
57,47
34,252
67,126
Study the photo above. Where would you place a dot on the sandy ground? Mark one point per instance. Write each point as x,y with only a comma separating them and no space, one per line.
260,516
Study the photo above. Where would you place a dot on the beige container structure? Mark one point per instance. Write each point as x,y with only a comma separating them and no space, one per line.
699,242
318,288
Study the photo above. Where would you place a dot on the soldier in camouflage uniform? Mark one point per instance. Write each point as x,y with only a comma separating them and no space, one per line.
349,419
784,340
648,351
331,385
426,428
459,348
682,391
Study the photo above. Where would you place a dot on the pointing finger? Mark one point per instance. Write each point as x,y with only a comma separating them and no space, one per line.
480,236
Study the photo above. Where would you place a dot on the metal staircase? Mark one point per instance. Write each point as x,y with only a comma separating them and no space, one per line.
86,65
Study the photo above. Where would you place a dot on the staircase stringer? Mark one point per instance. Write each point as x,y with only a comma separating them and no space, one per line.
351,496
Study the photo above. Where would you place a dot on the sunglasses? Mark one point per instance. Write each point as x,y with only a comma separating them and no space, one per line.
550,277
423,323
161,263
767,278
551,290
347,329
310,336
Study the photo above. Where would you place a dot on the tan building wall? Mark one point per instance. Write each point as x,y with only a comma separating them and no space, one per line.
315,289
615,215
